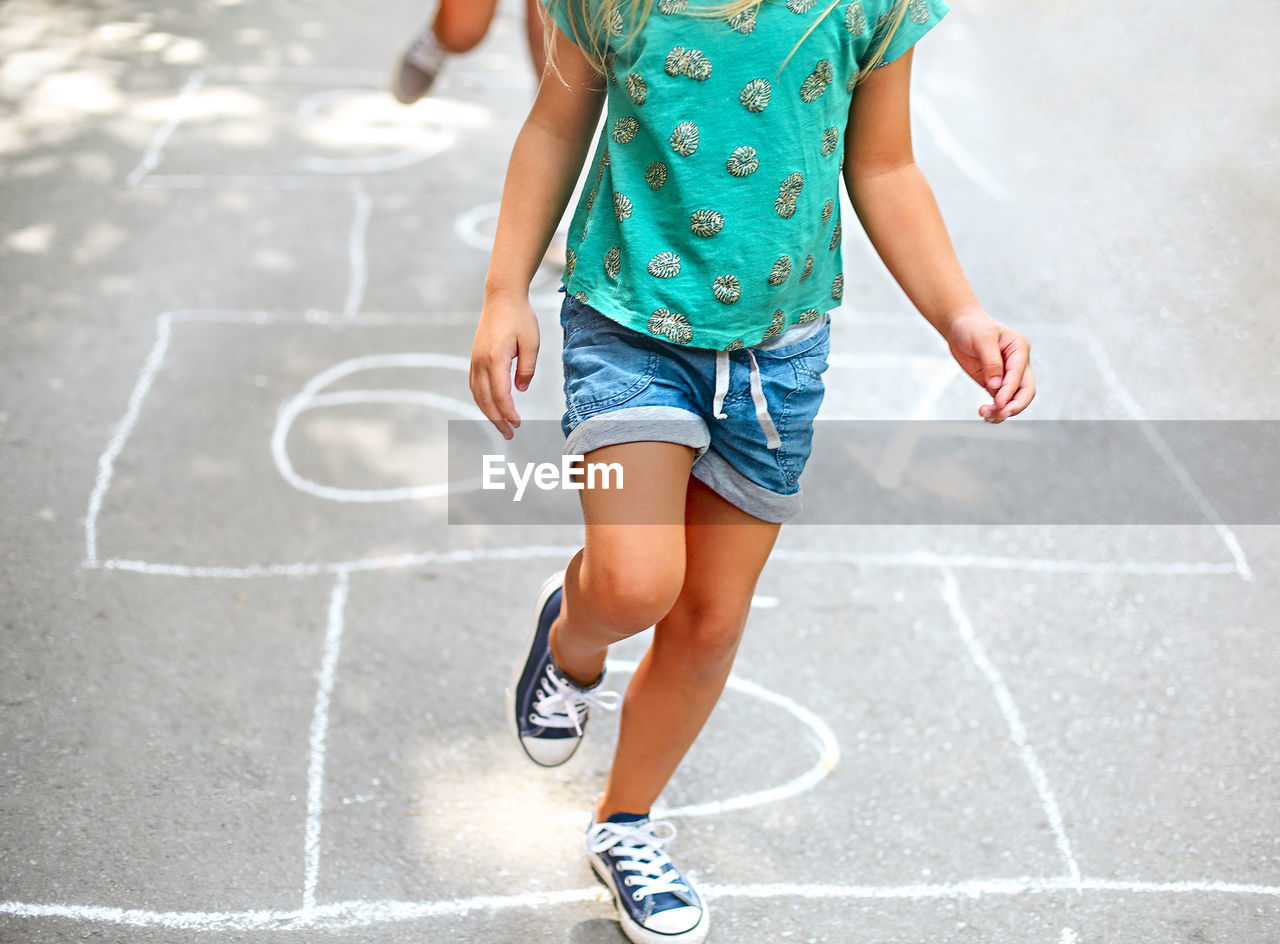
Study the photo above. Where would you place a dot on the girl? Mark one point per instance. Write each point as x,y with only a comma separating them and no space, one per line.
704,255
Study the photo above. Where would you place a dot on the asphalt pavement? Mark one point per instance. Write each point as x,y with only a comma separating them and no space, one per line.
252,677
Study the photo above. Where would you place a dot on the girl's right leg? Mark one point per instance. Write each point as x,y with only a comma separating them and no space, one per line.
629,573
623,581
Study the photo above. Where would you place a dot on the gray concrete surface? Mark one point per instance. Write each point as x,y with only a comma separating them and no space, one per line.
239,705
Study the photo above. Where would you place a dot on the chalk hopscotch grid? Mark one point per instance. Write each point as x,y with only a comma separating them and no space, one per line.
364,913
314,914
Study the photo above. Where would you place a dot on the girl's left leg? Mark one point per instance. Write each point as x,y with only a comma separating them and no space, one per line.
682,675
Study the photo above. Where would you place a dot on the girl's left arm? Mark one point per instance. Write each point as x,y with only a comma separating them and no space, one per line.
897,209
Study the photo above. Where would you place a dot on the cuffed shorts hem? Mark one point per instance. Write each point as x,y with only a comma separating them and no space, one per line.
638,424
714,471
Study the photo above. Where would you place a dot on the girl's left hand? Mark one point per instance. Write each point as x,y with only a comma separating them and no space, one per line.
998,358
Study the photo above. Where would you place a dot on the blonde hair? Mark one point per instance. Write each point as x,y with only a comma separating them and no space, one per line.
592,20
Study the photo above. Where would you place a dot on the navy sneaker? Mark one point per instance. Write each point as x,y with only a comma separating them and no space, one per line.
656,904
548,710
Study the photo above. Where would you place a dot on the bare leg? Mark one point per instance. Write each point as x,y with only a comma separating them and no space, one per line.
460,25
629,574
534,33
683,673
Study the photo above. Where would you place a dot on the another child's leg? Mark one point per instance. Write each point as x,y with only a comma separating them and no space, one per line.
534,33
458,26
683,673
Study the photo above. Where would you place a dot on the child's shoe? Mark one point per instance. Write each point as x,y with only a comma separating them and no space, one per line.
417,69
656,904
548,710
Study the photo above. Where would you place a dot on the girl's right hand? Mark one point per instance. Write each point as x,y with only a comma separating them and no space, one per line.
508,331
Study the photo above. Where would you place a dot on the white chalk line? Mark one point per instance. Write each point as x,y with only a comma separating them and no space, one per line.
913,560
364,319
466,226
357,258
364,78
1017,731
821,735
155,147
930,560
107,461
300,75
1157,442
897,454
1068,937
287,183
362,914
318,741
951,146
382,162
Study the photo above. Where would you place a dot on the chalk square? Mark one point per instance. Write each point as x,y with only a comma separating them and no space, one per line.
294,129
196,483
1154,709
930,787
458,811
183,751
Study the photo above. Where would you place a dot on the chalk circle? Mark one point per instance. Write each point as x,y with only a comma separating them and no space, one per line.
391,135
476,226
311,397
821,736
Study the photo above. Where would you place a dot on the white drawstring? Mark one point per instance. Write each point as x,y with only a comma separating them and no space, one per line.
772,441
762,406
722,385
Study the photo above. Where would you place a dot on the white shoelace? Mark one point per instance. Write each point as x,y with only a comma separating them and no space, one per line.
561,704
637,850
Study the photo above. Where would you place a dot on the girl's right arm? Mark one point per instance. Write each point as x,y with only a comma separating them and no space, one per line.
544,167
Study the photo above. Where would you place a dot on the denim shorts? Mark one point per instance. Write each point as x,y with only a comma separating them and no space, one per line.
624,386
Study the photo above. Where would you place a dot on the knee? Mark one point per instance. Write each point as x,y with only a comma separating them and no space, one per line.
702,637
460,37
630,599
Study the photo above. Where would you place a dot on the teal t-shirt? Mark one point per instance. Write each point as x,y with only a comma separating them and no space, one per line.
712,215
